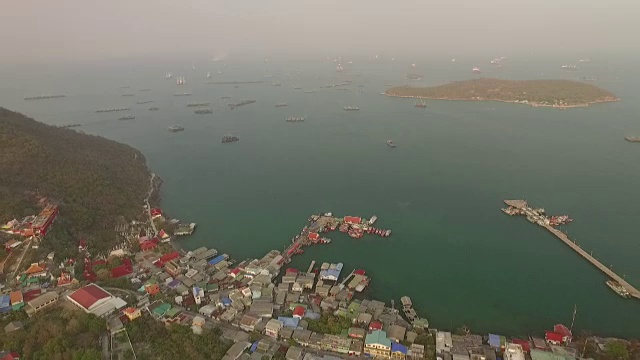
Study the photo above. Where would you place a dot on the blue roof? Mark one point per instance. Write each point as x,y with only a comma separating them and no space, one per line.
5,300
217,259
174,283
494,340
397,347
226,301
254,346
289,322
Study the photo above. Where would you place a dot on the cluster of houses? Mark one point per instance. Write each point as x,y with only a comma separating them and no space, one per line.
34,225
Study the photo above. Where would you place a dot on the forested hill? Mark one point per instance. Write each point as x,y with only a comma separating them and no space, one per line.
93,179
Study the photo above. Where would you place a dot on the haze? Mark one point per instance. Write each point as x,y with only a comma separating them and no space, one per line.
81,30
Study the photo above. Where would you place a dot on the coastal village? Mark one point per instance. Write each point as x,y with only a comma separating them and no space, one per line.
262,306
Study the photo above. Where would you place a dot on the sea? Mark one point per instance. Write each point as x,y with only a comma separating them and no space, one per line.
461,260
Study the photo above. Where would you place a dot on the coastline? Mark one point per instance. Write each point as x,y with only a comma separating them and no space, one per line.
524,102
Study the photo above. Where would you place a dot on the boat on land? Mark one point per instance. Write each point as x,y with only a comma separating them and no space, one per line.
391,143
229,138
175,128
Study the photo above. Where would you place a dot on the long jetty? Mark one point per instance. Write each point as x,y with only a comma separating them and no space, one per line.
522,205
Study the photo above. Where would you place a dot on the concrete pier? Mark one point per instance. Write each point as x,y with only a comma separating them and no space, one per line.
521,204
313,263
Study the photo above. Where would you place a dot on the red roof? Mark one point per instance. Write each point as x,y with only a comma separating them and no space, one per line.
11,356
314,236
235,271
562,330
170,256
89,275
298,311
148,245
99,262
524,343
552,336
156,211
375,325
30,295
359,272
120,271
292,271
89,295
352,220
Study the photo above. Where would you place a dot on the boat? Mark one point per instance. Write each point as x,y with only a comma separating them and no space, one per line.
373,220
351,108
144,102
453,60
391,143
128,95
112,109
70,125
225,97
632,138
175,128
476,70
196,104
203,111
309,91
281,105
619,289
276,84
180,81
420,104
229,139
569,67
208,75
127,117
168,75
295,87
42,97
339,68
294,119
153,109
241,103
182,94
587,60
414,76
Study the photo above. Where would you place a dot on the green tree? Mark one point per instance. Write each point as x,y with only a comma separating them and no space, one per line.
617,350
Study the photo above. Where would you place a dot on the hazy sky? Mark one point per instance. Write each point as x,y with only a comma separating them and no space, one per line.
41,31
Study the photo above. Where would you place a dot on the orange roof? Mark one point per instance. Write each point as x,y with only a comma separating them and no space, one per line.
352,220
16,297
130,310
35,268
314,236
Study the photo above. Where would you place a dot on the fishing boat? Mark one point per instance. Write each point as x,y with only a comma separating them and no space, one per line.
420,104
391,143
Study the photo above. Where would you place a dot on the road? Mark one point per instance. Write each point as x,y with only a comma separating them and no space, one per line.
25,248
153,225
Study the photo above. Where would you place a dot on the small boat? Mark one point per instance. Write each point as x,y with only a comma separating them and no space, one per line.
391,143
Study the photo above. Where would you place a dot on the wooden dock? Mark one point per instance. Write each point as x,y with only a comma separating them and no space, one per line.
313,263
562,236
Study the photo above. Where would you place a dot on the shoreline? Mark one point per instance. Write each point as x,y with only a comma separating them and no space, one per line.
524,102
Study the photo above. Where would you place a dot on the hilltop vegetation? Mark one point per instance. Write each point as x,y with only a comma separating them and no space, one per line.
94,180
558,93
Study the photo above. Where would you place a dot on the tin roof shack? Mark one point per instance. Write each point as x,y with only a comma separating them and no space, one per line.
236,350
13,326
357,333
5,303
294,353
546,355
364,319
416,352
335,343
315,340
396,333
302,337
462,344
262,308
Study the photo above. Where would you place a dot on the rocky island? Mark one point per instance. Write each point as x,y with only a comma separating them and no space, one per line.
548,93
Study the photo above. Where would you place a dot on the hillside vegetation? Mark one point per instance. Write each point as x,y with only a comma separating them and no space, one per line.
94,180
535,92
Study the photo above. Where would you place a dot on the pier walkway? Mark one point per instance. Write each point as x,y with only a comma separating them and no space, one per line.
521,204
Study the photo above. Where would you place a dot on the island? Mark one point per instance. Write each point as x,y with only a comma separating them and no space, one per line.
546,93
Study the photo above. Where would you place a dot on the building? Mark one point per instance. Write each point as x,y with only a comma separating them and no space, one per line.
377,344
132,313
416,352
298,312
335,343
561,335
356,347
443,342
13,326
273,327
9,355
513,352
396,333
398,351
17,301
357,333
294,353
40,303
95,300
248,322
36,270
236,350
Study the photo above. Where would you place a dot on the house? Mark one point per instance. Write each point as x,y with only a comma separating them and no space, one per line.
289,322
152,289
248,322
356,347
13,326
364,319
236,350
357,333
298,312
301,337
132,313
375,326
41,302
125,269
377,344
398,351
443,342
36,270
513,352
396,333
352,220
567,336
9,355
553,338
173,268
148,245
416,352
95,300
17,301
272,329
262,308
294,353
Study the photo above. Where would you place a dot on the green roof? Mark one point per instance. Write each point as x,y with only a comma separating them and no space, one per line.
212,287
172,313
162,309
545,355
354,306
378,337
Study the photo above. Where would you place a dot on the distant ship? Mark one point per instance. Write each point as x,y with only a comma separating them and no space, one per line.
153,109
453,60
168,75
203,111
176,128
569,67
180,81
182,94
420,104
229,139
295,87
241,103
42,97
632,138
587,60
127,117
294,119
476,70
391,143
144,102
351,108
197,104
208,75
339,68
309,91
281,105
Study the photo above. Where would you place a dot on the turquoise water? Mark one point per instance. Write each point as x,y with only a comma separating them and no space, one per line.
453,251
